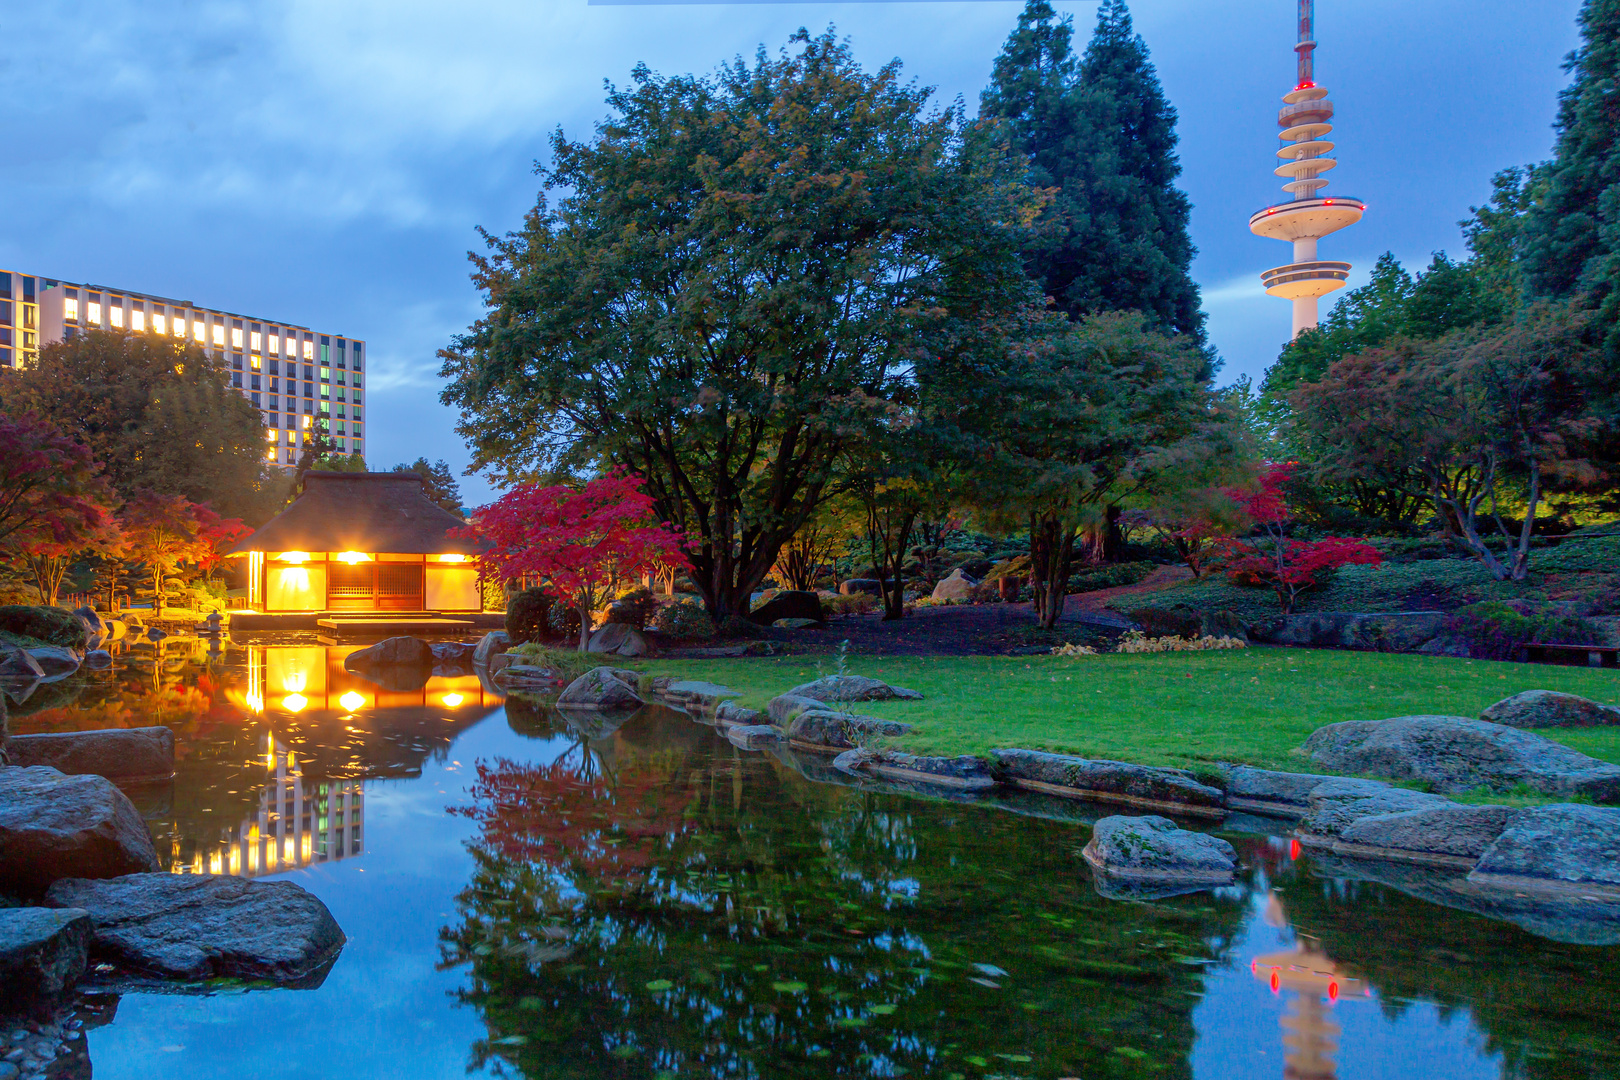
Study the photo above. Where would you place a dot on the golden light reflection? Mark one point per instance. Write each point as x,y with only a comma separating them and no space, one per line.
293,556
452,558
352,701
452,700
295,682
352,557
294,702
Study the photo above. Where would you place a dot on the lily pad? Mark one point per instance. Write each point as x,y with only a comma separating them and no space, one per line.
789,987
881,1010
660,984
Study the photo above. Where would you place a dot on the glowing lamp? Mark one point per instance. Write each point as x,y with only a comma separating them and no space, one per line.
452,558
294,702
352,557
293,556
1333,991
352,700
452,700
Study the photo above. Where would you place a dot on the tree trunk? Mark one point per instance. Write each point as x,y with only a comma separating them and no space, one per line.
157,589
1051,554
1113,545
584,610
1521,552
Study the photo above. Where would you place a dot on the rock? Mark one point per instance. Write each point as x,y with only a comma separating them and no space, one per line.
617,639
96,659
729,713
784,707
205,926
795,624
452,652
18,667
753,736
492,644
527,676
840,731
1152,855
869,586
1548,708
958,586
54,826
1283,794
117,753
92,620
1561,844
964,773
43,952
1109,781
1433,834
1403,631
1337,804
154,634
116,628
392,652
54,660
599,689
791,604
705,695
834,688
1458,754
51,625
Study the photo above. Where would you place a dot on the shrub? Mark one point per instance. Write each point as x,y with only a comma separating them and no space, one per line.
1499,630
1138,642
740,626
854,604
637,607
526,615
568,664
54,626
563,621
1112,576
685,620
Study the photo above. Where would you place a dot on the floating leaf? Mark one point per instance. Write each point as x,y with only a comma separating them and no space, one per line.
1015,1057
982,1063
1131,1052
986,982
990,970
881,1010
660,984
789,987
851,1021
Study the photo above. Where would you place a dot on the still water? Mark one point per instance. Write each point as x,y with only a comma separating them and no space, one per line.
527,895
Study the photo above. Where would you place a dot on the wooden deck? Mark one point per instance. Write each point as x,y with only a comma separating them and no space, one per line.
347,625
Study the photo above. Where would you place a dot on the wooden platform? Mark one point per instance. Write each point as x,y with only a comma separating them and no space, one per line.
376,624
383,624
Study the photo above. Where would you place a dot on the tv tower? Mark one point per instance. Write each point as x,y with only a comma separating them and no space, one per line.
1304,120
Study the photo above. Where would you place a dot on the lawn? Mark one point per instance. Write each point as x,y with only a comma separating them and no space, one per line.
1250,705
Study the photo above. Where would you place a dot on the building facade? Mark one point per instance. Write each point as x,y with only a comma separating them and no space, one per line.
298,379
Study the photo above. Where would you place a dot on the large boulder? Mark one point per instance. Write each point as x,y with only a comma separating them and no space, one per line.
832,688
1151,855
1109,781
392,652
17,668
453,652
958,586
1334,806
528,677
869,586
600,689
617,639
1439,834
1404,631
784,707
54,826
96,659
1566,844
823,728
43,952
1548,708
492,644
52,625
92,620
963,773
118,753
205,926
1458,754
791,604
55,661
1283,794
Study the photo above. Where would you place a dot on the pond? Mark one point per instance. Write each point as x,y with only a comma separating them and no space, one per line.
526,895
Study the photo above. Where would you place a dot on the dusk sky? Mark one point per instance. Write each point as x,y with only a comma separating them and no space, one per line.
325,163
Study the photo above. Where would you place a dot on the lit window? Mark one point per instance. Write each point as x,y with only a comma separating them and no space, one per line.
137,320
306,421
270,454
157,323
255,340
270,434
95,314
117,316
236,337
275,344
219,334
70,309
253,361
309,350
199,331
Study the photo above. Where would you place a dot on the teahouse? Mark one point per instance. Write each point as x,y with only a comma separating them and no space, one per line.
361,542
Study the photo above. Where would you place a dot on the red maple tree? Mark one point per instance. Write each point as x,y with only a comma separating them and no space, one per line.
214,535
1272,557
579,541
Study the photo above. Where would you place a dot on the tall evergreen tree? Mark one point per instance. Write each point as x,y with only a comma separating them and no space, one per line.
1572,234
1101,134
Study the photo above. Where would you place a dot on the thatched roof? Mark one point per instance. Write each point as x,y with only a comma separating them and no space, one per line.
371,512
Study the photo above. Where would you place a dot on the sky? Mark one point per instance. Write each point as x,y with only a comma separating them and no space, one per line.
327,162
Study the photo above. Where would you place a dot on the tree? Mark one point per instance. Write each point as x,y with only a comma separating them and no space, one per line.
1571,242
581,542
161,532
801,558
1193,521
731,289
51,489
215,534
157,414
439,483
1101,136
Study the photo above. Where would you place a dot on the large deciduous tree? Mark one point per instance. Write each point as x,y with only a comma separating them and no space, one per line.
736,282
162,532
439,483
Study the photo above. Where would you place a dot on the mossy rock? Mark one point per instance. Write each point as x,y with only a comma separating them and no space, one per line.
51,625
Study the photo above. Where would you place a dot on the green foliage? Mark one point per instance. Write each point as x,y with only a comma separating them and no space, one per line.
684,621
51,625
1110,576
439,483
1600,554
635,608
158,415
568,664
563,619
740,626
527,615
1498,630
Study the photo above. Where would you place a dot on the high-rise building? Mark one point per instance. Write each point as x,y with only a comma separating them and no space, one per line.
298,379
1304,120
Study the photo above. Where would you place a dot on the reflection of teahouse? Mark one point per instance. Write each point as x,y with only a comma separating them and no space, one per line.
296,825
361,542
1310,1036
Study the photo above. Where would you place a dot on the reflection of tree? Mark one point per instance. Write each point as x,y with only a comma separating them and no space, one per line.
701,915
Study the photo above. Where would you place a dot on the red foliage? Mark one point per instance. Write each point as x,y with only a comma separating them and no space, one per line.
214,535
50,487
579,541
1273,558
163,531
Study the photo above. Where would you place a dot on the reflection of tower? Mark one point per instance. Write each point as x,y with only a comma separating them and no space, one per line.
1304,118
296,825
1310,1035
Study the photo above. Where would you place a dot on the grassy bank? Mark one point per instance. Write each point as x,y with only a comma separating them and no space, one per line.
1251,705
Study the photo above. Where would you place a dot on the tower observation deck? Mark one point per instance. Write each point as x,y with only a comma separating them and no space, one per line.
1305,121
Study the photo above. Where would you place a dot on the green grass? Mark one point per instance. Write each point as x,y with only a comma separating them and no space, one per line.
1251,705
